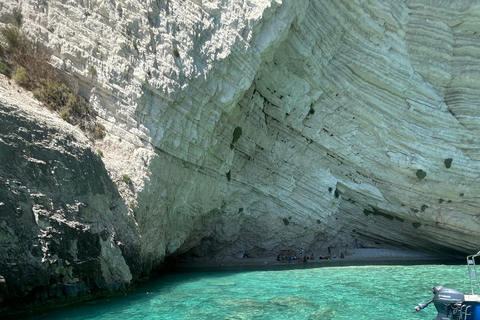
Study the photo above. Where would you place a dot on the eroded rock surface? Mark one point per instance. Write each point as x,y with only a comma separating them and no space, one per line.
256,126
64,229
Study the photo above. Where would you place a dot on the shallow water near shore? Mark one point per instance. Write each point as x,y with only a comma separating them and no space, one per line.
278,292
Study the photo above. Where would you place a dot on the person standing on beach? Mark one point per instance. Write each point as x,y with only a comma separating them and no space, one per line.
329,253
346,249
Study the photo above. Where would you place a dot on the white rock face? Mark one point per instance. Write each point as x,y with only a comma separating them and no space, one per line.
256,126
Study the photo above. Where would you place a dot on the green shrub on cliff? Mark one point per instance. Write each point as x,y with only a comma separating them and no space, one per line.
5,69
21,77
34,72
421,174
127,179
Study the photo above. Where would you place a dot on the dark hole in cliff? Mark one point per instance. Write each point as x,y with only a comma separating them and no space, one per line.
286,221
311,111
377,212
337,193
330,190
424,207
175,52
461,194
448,162
237,133
228,175
421,174
416,225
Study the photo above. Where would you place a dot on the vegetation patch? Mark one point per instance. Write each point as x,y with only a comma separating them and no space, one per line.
286,221
126,179
416,225
237,133
5,69
421,174
423,208
21,77
92,72
448,163
31,68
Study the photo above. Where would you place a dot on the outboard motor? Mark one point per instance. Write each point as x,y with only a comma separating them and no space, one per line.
454,305
448,303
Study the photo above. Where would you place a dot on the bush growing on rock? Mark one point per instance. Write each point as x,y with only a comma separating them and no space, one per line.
448,163
92,72
5,69
421,174
21,77
127,179
34,72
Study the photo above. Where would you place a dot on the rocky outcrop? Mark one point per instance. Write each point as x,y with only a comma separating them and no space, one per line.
251,127
64,229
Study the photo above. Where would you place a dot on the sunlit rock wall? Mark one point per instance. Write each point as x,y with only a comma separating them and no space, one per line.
65,232
249,127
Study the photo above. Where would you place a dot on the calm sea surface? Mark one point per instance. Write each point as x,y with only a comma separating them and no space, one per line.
340,293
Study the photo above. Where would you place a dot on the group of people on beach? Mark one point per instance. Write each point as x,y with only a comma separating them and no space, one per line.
288,255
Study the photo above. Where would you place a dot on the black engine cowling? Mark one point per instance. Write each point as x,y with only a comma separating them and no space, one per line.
448,303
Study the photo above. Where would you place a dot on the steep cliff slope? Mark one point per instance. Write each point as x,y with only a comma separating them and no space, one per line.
65,231
248,127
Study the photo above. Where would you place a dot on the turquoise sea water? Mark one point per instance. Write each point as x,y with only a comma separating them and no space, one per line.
340,293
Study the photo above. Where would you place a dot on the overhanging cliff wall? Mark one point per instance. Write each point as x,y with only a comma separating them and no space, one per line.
258,126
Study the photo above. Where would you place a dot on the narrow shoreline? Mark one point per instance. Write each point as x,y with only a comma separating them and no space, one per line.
355,257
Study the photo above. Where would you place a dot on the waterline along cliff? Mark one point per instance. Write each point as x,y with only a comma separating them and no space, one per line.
237,128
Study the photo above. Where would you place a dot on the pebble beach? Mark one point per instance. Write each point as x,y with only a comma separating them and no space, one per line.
357,256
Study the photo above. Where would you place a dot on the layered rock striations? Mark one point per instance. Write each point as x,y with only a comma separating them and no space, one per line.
65,231
256,126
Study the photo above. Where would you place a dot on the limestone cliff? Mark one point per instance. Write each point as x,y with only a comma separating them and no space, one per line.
248,127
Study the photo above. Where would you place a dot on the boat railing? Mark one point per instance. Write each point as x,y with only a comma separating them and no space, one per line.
472,272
